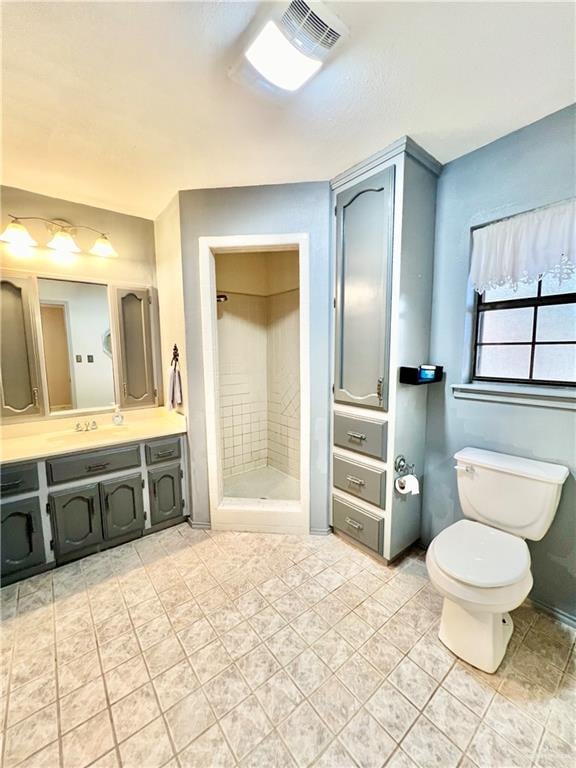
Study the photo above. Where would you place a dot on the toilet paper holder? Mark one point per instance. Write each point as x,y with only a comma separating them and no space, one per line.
402,466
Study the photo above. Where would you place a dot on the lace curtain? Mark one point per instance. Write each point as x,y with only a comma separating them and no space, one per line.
525,247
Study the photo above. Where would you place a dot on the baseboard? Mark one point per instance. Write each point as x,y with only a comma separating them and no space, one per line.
321,531
195,524
556,613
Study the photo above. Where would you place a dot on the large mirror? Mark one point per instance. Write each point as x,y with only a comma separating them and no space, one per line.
77,352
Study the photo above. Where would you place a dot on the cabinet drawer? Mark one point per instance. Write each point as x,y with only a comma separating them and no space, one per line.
364,527
82,465
163,450
18,478
361,481
361,435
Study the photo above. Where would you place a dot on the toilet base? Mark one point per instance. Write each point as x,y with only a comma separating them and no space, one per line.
478,637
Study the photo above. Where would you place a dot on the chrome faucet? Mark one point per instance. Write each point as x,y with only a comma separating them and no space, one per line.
86,427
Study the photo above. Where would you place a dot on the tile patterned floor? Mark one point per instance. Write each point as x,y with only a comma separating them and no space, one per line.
198,650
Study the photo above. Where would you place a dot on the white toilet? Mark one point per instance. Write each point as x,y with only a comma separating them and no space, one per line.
483,568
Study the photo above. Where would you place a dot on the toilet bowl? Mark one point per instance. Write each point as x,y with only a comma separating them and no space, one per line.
481,566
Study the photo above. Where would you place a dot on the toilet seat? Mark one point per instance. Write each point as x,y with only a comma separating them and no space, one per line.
481,556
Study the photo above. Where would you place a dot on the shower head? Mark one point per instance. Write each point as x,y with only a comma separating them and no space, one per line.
221,297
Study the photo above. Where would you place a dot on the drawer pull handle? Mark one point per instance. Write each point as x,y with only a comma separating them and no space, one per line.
357,435
355,481
12,484
97,467
162,454
354,524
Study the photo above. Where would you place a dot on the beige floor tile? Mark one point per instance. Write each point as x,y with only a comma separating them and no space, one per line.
552,649
116,625
308,671
286,645
250,603
400,634
530,697
187,719
48,757
310,626
125,678
267,622
30,735
555,752
305,734
367,741
210,660
146,611
331,609
153,632
451,716
432,656
29,667
134,711
392,710
89,741
536,668
381,653
335,757
334,703
245,727
509,721
429,747
149,748
240,640
82,704
78,672
163,655
226,690
270,752
196,636
475,694
29,698
73,646
118,651
209,750
489,750
278,697
257,666
175,683
360,677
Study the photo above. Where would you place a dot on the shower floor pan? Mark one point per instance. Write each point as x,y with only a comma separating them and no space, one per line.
263,483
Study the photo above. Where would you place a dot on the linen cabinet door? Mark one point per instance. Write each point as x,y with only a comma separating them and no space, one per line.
21,536
365,216
136,363
122,506
166,500
20,390
76,519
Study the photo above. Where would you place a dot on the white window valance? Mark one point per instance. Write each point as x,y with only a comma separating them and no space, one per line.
525,247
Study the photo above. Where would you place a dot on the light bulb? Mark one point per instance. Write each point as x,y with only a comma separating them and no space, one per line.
280,62
17,235
63,242
103,247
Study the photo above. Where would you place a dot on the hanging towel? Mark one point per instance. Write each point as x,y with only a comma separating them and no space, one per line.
175,388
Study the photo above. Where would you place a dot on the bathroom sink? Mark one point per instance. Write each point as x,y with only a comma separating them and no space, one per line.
89,436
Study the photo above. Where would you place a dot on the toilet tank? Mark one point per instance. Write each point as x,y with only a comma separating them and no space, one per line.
509,492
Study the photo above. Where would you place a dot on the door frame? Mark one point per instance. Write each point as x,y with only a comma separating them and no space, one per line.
266,515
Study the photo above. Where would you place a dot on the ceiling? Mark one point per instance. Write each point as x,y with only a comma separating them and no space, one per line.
120,105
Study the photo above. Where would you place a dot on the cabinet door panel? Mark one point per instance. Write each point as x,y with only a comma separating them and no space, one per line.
364,269
76,518
136,363
122,506
21,535
20,374
165,493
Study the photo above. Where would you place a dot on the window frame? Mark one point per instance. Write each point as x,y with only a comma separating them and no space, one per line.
535,302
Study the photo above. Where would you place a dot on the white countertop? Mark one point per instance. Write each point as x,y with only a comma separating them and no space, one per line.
34,440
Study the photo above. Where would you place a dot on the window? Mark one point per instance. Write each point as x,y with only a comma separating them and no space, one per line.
527,335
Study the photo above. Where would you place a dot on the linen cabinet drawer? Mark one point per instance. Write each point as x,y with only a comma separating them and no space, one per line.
162,450
361,435
361,481
365,527
81,465
18,478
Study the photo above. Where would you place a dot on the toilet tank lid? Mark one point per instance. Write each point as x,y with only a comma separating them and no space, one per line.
513,465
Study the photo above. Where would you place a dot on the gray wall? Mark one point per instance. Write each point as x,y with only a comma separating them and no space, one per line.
529,168
253,211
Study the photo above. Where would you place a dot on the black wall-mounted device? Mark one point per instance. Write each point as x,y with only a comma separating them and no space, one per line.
423,374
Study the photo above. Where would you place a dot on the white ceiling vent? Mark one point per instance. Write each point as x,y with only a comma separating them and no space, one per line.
314,30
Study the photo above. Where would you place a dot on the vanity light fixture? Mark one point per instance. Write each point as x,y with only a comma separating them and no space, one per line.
16,234
62,239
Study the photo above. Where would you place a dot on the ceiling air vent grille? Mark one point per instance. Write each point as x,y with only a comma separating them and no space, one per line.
306,29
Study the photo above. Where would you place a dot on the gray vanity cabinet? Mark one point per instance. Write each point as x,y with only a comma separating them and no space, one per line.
20,390
166,500
76,519
364,231
122,506
21,536
136,363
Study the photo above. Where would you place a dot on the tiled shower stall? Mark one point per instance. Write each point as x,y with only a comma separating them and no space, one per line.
259,376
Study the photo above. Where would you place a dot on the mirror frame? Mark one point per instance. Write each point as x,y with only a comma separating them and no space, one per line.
112,289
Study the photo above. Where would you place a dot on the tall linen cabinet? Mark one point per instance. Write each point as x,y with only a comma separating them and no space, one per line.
384,211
